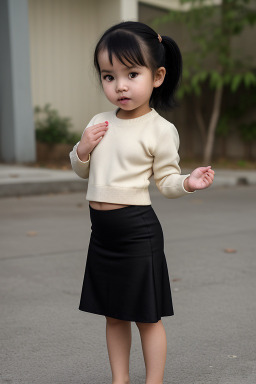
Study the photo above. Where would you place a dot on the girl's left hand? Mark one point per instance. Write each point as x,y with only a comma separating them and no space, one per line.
200,178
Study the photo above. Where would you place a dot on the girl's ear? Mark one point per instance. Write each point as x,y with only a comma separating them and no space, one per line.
159,76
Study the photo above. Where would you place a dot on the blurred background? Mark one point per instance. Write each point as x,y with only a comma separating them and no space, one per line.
49,89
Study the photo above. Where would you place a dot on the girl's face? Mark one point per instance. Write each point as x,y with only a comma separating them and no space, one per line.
128,87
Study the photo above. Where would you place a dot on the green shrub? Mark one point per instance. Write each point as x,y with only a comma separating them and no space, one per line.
52,128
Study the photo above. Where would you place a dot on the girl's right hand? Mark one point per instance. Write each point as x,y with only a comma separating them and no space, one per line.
90,138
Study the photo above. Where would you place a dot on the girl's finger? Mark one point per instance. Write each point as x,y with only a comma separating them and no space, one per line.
204,169
210,173
100,125
99,134
209,179
100,130
93,127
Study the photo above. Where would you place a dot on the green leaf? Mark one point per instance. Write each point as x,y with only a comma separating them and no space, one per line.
216,80
249,79
236,82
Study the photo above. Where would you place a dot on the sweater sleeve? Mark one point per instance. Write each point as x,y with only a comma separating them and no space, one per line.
81,168
166,168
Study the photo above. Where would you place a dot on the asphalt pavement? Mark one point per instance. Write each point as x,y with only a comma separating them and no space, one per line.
211,255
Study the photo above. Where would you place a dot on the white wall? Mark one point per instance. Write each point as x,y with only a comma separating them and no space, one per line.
174,4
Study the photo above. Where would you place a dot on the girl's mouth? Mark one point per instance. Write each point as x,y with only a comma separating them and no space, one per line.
123,100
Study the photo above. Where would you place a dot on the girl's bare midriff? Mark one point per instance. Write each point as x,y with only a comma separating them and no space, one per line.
105,206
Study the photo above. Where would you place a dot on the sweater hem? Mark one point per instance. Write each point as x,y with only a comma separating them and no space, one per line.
117,195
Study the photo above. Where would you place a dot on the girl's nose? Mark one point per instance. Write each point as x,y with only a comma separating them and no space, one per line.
121,86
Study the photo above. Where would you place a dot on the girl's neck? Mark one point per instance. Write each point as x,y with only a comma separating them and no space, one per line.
133,114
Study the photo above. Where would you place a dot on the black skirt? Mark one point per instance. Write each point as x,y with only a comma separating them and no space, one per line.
126,275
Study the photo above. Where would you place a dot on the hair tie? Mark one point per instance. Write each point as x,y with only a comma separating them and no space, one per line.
159,38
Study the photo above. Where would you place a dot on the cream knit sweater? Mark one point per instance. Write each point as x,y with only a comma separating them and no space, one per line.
120,166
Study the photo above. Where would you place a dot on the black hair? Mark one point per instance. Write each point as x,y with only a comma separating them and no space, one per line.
137,43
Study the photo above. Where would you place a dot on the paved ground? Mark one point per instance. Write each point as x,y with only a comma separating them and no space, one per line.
211,338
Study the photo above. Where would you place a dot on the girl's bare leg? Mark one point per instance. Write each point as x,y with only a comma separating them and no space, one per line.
154,346
119,340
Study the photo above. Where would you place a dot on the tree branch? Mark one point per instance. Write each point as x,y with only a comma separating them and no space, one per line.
200,121
213,123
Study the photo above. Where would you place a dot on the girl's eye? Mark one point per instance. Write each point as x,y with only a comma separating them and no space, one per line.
108,78
132,75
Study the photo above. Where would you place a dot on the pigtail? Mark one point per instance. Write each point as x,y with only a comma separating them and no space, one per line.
163,97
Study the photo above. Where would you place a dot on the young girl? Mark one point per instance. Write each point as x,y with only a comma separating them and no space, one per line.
126,277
